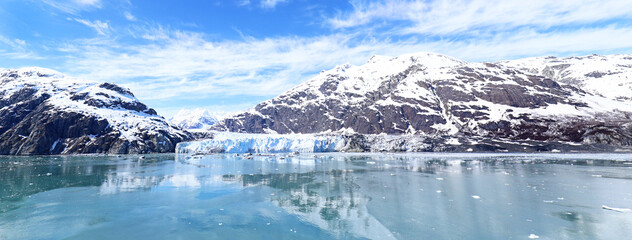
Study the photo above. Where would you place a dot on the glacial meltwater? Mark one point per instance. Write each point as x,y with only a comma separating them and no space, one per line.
317,196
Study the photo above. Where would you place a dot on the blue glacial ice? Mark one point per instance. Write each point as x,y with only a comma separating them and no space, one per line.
262,143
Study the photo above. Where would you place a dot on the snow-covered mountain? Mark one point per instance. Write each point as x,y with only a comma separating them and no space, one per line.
194,119
44,112
580,100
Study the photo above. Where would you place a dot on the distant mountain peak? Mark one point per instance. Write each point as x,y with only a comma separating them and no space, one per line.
197,119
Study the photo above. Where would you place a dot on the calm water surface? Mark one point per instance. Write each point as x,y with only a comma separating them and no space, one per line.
323,196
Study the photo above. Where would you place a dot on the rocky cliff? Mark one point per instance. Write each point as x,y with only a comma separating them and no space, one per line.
45,112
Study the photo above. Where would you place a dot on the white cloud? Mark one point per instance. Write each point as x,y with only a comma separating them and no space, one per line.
129,16
474,16
179,63
102,28
271,3
88,2
13,43
243,3
16,49
74,6
267,4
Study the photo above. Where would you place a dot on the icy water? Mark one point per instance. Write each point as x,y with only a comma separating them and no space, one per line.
323,196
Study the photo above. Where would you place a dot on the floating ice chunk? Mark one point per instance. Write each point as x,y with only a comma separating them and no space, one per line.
533,236
476,196
616,209
440,179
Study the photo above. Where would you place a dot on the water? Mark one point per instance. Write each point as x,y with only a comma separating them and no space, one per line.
325,196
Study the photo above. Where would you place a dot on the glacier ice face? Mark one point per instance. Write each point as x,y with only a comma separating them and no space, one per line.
262,143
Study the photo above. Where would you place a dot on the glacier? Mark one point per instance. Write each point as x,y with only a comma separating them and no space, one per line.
229,142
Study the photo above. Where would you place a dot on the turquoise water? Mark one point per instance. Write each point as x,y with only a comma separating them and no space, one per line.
323,196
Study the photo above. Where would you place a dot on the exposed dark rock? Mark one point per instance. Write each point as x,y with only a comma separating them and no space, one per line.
116,88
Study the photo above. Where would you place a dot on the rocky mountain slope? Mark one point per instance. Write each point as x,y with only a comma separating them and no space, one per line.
45,112
574,100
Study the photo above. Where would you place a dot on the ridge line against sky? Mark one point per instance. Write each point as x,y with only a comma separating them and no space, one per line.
231,55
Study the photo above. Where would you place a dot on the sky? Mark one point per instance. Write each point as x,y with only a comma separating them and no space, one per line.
227,56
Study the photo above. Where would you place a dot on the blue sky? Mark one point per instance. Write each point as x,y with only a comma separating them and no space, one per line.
229,55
